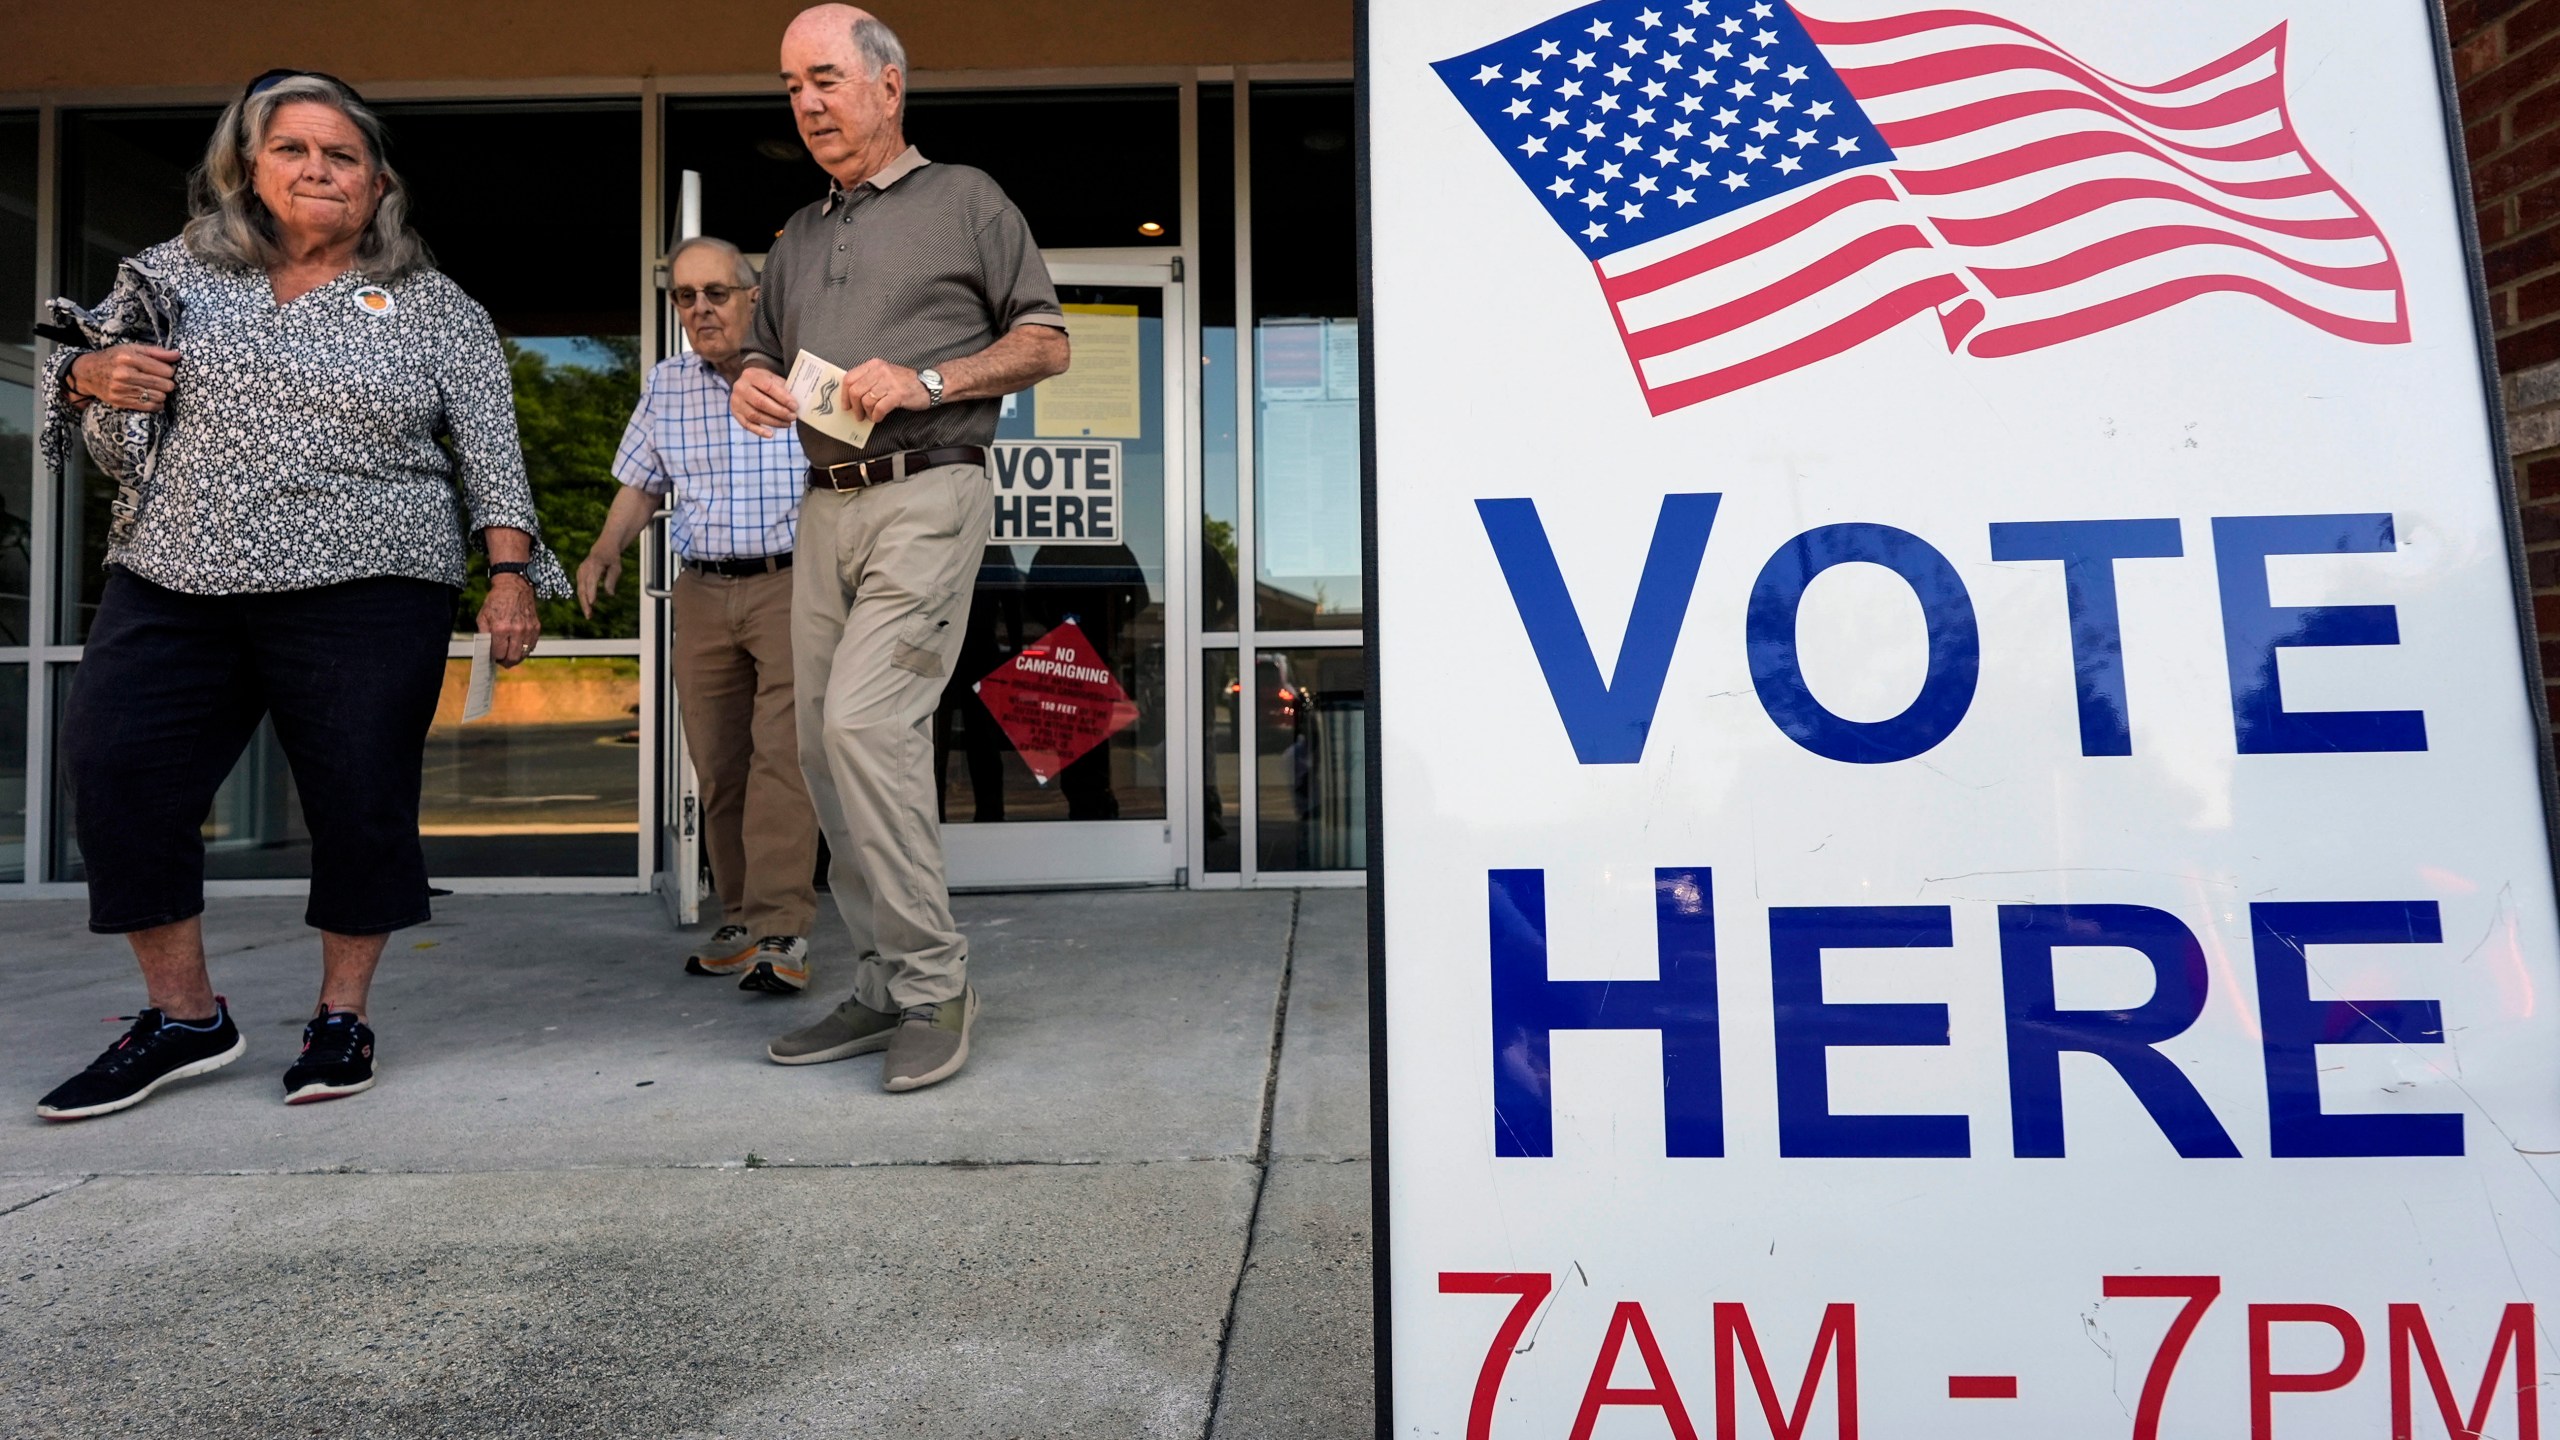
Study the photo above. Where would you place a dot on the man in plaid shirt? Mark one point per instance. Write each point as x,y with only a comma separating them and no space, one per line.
737,503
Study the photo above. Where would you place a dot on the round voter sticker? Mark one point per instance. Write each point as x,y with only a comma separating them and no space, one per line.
374,300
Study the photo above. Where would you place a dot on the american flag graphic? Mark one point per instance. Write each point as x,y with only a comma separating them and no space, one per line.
1760,190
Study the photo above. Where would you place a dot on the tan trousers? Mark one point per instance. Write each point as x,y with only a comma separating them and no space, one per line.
733,684
880,599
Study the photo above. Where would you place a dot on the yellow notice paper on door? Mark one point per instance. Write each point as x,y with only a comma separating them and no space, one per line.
1102,394
814,383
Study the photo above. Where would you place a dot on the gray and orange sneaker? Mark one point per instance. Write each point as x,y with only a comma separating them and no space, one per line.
729,950
780,966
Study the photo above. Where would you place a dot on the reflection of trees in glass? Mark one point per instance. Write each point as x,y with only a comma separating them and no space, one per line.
1217,574
570,416
17,463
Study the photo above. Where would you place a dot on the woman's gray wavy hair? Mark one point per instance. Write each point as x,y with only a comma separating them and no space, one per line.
231,225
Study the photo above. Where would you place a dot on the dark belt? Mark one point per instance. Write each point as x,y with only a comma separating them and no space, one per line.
758,565
881,469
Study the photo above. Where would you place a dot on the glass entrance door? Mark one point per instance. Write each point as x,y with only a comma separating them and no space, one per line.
1058,745
1058,741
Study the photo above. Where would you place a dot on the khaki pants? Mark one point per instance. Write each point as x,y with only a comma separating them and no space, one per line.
880,598
733,683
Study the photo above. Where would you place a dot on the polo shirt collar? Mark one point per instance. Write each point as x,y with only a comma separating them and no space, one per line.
692,360
909,161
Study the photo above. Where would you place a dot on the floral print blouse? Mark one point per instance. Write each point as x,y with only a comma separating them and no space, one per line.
361,430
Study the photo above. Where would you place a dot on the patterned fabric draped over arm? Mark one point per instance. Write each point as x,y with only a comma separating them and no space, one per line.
141,307
480,416
60,432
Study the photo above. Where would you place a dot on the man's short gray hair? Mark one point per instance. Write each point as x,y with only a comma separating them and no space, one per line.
746,272
879,45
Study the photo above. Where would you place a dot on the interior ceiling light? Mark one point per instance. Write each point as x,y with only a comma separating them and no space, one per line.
1151,229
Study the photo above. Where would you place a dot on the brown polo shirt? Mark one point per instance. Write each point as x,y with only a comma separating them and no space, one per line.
919,265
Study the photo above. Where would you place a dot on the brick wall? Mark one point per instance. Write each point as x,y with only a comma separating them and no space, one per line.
2506,58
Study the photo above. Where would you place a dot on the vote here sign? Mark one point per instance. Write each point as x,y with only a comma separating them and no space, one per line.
1050,492
1963,850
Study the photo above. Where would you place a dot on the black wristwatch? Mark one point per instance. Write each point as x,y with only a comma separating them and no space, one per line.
521,569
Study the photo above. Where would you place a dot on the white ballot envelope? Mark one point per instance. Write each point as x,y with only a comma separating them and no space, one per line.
481,693
813,383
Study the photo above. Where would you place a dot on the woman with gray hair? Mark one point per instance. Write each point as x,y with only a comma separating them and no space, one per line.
339,429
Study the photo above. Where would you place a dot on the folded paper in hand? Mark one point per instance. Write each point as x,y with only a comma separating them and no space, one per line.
481,693
814,383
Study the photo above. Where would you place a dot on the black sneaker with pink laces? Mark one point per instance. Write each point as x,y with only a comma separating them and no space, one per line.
337,1059
154,1052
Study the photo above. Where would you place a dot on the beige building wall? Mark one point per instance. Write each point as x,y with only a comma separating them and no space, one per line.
55,46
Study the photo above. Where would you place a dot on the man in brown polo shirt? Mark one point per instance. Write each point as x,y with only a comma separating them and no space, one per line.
923,282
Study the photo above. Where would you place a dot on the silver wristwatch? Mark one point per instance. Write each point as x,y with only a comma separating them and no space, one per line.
932,387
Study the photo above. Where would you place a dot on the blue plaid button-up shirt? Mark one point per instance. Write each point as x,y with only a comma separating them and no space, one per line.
737,497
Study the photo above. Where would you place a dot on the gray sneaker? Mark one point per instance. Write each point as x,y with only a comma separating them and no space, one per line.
931,1043
850,1029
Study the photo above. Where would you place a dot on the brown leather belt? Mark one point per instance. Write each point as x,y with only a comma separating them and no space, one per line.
755,565
882,469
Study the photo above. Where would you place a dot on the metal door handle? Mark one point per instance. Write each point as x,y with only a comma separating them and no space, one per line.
652,552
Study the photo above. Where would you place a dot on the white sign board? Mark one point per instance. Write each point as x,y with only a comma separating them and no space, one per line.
1962,846
1052,492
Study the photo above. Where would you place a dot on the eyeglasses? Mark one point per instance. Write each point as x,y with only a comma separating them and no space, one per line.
685,295
273,78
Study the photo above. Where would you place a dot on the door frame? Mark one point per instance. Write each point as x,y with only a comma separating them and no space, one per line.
1039,854
1065,853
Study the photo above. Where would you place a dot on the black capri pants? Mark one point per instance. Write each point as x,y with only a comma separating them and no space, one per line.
169,693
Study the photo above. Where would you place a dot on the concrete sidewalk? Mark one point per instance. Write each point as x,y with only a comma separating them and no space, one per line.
581,1203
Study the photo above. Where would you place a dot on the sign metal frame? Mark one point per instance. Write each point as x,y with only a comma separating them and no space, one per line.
1381,1141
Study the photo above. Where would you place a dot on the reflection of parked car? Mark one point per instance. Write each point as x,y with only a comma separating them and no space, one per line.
1282,711
1286,729
1309,737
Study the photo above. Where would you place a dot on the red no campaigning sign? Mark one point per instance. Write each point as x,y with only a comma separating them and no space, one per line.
1057,701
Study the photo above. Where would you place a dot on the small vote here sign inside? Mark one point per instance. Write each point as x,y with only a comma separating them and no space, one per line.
1055,492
